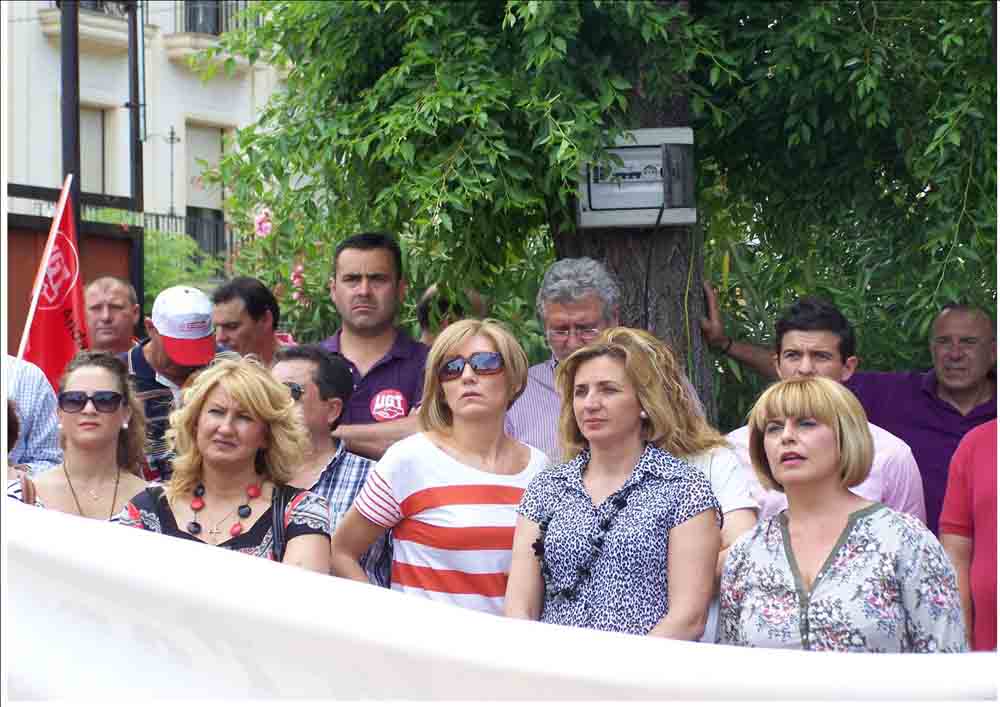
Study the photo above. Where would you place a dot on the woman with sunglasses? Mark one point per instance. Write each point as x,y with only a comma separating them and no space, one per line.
238,439
624,536
449,493
102,433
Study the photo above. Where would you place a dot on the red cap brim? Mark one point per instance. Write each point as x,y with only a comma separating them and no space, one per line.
189,352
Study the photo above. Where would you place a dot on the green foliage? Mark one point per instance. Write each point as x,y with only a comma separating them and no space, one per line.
175,259
856,163
845,148
460,126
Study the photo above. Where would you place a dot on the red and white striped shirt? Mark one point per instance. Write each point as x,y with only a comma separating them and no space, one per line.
452,524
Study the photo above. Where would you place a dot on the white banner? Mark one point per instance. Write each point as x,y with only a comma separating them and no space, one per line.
99,612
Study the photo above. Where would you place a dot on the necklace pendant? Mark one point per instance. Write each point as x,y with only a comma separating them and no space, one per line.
236,529
194,527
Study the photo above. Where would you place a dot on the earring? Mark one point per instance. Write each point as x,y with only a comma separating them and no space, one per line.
125,425
643,415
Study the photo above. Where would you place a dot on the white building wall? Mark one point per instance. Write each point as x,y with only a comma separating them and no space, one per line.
175,96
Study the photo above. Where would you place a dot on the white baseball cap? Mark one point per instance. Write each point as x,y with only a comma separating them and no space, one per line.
183,318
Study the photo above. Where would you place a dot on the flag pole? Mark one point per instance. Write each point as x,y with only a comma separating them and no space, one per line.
36,289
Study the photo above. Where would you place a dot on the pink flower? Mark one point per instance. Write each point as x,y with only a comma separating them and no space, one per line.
296,295
262,223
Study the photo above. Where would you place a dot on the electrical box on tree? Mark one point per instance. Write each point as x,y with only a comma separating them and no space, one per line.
656,175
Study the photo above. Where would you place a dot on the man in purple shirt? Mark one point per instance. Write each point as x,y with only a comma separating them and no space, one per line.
367,288
929,410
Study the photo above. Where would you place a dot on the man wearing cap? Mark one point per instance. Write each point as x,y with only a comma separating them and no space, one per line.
181,340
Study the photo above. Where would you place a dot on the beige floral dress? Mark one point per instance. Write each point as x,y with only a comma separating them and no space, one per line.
886,587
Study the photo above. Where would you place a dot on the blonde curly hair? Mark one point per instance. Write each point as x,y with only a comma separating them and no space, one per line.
674,422
253,387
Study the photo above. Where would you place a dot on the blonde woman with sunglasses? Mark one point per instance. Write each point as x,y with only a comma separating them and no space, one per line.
102,428
449,493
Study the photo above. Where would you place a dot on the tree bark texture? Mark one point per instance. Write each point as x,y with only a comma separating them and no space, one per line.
669,257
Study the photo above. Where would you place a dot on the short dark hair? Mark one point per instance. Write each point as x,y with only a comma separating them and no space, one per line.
372,241
816,314
433,298
333,374
257,298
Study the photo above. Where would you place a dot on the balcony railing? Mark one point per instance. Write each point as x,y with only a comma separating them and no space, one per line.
209,16
211,234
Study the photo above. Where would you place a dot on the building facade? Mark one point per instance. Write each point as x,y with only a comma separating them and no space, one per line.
187,118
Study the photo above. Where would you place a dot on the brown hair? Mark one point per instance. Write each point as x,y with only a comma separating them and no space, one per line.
130,454
674,422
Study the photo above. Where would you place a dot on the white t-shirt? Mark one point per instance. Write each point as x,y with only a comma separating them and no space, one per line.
452,524
732,483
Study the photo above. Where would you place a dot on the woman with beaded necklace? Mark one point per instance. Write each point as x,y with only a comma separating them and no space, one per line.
623,536
238,439
102,430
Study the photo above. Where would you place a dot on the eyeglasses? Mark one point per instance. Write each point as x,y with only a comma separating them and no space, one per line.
295,389
586,335
76,400
485,363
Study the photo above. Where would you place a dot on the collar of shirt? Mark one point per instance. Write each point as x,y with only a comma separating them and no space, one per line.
928,384
402,347
650,462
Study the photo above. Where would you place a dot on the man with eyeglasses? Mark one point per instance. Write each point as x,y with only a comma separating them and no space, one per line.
577,300
321,384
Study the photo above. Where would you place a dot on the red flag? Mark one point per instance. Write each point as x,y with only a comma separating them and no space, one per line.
56,327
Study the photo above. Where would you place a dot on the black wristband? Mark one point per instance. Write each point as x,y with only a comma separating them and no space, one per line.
729,345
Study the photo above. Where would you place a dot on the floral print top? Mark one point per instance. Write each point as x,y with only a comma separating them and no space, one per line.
886,587
605,566
306,513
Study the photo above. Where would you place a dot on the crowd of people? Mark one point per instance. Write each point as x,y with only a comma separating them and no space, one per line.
856,510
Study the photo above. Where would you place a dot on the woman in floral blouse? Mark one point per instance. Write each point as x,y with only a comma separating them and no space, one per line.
624,536
834,571
238,439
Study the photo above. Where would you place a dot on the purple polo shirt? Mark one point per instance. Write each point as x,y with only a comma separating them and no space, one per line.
392,387
907,405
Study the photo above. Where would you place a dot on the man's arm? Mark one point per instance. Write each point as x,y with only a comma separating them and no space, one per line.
714,333
38,446
959,551
905,488
373,439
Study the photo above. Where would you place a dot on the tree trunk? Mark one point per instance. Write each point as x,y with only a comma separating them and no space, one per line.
669,258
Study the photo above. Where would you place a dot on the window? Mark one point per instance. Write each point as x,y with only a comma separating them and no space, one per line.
205,219
202,16
93,150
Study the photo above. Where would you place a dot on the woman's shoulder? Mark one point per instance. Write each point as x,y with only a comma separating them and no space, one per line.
662,464
416,444
905,529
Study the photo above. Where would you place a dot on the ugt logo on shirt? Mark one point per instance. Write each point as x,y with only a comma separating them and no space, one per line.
388,404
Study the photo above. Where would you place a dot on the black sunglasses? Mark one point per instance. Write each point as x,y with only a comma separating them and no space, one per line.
76,400
295,389
485,363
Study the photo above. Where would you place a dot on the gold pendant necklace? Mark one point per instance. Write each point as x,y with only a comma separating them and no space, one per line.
79,508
